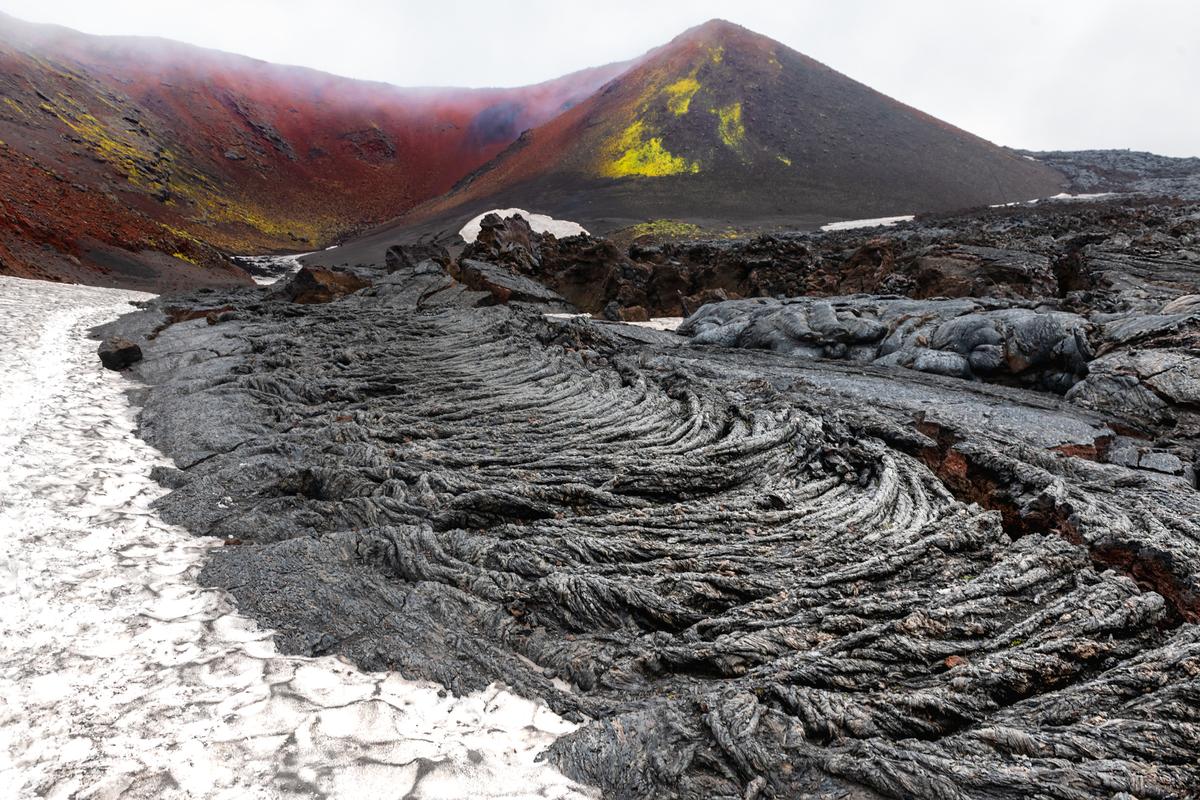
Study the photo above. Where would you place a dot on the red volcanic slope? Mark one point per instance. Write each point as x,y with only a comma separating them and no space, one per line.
725,126
136,162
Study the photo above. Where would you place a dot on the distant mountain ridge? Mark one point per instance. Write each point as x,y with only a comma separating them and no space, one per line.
144,163
726,125
139,162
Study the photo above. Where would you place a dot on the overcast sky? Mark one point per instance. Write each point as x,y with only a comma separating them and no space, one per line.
1046,74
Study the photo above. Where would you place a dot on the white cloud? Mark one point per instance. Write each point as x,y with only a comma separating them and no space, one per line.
1067,74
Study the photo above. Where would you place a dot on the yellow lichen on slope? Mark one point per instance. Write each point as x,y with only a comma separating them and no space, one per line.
730,127
14,105
127,157
179,233
717,55
639,155
680,93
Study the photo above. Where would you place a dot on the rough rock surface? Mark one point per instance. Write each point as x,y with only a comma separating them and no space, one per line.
1078,254
1125,171
748,574
117,353
318,285
506,286
961,338
1103,310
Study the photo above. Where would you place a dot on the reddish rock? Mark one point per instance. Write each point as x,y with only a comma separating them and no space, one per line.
317,285
635,314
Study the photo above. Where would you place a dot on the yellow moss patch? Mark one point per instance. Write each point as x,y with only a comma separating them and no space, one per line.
179,233
680,93
218,210
208,205
717,55
129,159
730,127
183,257
49,67
640,155
15,106
666,227
785,160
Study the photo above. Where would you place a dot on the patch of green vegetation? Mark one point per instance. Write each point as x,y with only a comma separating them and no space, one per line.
730,127
666,228
673,229
680,93
641,155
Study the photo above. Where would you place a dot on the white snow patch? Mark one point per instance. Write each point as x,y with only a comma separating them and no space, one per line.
1059,196
657,323
122,677
878,222
266,270
538,222
660,323
1095,196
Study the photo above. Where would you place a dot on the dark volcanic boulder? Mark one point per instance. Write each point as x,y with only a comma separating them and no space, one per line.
507,241
506,286
319,285
591,271
587,271
118,353
408,256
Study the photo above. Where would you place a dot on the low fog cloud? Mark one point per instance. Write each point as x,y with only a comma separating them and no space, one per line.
1061,75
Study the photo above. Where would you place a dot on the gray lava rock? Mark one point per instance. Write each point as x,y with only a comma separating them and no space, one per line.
507,286
958,338
1161,462
744,572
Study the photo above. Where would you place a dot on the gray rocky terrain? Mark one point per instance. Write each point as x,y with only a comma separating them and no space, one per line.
1125,171
873,539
